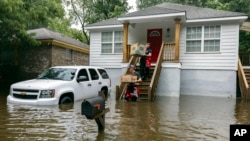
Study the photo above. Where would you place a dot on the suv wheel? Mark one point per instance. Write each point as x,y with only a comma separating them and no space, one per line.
65,99
105,92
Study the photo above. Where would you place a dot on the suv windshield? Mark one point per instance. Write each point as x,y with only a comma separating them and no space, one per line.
66,74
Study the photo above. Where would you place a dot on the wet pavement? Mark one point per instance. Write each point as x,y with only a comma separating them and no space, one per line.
188,118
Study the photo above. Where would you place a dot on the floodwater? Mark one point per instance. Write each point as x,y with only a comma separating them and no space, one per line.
188,118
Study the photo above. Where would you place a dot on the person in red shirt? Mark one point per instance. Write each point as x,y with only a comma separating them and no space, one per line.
133,91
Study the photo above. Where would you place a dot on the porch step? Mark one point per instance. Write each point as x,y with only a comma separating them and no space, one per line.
144,85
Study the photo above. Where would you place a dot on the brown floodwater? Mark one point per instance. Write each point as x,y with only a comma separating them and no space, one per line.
188,118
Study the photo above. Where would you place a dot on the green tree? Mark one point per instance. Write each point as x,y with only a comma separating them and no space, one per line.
12,25
17,16
105,9
146,3
88,11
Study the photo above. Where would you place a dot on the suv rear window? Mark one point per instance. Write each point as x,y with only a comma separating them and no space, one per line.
103,73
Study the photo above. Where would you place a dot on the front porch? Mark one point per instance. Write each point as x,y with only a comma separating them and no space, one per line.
168,52
170,39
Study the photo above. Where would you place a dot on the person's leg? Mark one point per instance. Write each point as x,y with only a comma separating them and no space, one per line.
147,72
142,69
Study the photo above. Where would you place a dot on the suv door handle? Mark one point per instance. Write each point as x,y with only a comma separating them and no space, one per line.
100,83
89,85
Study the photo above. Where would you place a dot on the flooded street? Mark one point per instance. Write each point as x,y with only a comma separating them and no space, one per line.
188,118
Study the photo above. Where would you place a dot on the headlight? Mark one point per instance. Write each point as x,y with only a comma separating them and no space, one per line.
47,93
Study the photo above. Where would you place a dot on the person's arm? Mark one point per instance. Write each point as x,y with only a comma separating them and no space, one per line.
149,53
138,77
139,80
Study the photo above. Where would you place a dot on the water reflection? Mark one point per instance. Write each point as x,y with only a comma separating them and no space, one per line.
242,112
186,118
206,118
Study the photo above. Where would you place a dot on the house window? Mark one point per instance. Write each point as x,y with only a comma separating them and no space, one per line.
203,39
112,42
68,54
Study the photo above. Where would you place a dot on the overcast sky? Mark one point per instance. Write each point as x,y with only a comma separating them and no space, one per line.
133,4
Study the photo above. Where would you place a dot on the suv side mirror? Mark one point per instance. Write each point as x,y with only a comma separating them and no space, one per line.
82,78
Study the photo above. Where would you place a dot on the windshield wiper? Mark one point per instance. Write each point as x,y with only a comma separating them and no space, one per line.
44,77
57,78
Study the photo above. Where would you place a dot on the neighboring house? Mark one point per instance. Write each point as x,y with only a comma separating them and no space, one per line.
55,49
201,61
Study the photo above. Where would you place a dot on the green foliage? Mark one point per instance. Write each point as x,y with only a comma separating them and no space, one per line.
38,13
88,11
17,16
244,41
106,9
147,3
63,26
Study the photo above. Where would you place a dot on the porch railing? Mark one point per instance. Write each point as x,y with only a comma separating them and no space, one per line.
156,74
120,88
245,58
244,87
169,52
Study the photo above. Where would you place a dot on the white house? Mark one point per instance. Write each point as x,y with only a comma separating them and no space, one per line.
202,59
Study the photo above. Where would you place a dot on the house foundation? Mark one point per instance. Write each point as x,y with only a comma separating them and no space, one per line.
170,80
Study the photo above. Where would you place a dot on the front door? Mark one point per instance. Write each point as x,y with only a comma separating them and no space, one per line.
154,37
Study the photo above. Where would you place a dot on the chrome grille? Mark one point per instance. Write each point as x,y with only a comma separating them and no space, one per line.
25,93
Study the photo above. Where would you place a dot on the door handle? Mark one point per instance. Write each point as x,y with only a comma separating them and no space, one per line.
100,83
89,85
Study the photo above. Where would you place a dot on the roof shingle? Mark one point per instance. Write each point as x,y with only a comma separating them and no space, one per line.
43,34
192,13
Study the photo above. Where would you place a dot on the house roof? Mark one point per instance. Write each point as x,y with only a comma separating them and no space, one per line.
59,39
112,21
191,13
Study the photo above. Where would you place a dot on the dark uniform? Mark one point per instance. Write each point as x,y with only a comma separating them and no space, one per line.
145,64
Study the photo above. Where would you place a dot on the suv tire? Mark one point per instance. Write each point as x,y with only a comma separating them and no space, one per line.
65,99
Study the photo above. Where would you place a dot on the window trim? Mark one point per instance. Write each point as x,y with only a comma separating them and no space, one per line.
113,42
203,40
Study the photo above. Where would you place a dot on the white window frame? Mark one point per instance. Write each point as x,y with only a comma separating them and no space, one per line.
202,39
113,42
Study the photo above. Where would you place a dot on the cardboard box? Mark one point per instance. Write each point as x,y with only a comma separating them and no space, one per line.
138,49
128,78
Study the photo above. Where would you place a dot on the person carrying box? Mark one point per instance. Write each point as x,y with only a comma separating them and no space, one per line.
145,62
132,92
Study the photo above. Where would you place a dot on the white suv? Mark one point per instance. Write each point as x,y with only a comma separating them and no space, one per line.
61,84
